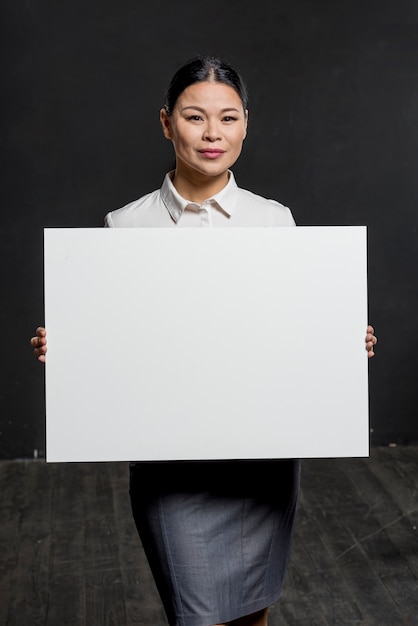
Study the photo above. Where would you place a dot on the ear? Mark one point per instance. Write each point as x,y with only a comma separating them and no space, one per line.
246,124
165,123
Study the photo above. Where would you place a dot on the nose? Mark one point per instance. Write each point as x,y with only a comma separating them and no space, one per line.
211,131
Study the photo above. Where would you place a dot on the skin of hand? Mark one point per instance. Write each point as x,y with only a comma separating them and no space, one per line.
371,341
39,346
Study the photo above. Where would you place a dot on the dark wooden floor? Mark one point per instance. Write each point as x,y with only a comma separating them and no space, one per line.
69,552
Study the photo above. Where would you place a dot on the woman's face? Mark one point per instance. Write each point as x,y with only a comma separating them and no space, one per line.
207,128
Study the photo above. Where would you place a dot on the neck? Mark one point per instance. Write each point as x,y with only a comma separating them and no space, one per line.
198,188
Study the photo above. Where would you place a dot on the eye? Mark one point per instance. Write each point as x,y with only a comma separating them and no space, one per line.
194,118
229,119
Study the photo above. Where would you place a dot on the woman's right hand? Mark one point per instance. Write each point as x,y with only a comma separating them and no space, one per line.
38,344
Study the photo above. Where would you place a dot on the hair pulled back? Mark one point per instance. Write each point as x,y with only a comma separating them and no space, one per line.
201,69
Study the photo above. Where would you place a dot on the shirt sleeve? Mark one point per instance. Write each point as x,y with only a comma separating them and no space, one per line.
282,215
108,222
291,219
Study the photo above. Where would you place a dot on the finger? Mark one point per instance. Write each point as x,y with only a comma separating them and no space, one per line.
370,354
37,342
370,330
40,331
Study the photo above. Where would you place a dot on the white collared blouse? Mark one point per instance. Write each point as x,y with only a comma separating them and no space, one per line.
232,206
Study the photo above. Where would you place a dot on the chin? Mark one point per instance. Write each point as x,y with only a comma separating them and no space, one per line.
216,169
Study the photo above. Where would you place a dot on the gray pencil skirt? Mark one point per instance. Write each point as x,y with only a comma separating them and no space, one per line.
217,534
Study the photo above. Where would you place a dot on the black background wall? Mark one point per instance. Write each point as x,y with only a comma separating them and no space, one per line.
333,134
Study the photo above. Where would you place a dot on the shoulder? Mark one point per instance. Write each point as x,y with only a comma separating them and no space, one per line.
134,213
272,212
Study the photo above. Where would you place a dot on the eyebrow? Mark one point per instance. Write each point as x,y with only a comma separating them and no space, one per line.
196,108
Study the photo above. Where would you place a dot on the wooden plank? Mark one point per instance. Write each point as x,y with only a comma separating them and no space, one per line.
395,468
66,598
142,601
70,553
341,521
29,585
12,477
392,548
314,578
105,603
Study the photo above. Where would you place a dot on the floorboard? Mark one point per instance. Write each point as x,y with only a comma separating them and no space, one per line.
70,554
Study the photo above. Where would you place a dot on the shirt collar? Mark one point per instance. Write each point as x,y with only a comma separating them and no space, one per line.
225,200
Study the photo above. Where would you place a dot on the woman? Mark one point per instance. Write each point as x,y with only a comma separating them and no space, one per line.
217,534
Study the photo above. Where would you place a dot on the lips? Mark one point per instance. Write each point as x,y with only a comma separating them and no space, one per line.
211,153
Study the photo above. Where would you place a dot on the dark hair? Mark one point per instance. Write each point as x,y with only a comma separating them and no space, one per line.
198,70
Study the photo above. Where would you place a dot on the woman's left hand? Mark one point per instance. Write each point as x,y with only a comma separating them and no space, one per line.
371,341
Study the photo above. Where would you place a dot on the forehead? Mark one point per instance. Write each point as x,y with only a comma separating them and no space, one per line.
209,95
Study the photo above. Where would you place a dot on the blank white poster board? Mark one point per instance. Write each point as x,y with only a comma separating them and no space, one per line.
170,344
